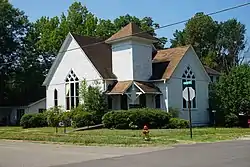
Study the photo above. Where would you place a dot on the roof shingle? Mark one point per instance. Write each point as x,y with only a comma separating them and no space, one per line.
165,62
130,30
99,54
120,87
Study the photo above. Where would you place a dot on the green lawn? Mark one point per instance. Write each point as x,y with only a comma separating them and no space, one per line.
122,137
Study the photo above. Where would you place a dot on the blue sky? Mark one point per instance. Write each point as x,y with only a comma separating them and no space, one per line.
162,11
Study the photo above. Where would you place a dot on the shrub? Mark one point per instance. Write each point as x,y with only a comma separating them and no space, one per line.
38,120
24,122
230,95
66,118
33,120
136,118
231,120
78,109
177,123
94,100
54,116
174,112
82,119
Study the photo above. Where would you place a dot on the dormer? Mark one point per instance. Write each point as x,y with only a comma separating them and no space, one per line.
132,53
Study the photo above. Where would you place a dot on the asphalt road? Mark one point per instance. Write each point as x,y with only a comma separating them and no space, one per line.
26,154
226,154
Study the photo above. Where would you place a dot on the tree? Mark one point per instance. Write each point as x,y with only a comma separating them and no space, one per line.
200,32
27,50
94,100
146,24
216,44
13,27
179,39
50,33
54,116
231,95
230,41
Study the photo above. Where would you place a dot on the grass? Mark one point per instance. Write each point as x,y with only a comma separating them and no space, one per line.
159,137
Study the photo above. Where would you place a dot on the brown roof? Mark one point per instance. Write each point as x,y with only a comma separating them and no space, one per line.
130,30
99,54
165,62
148,87
211,71
120,87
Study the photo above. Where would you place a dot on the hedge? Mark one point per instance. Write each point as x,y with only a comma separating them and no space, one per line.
177,123
33,120
136,118
82,119
231,120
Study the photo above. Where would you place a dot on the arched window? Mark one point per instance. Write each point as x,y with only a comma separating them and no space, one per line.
72,90
188,75
55,98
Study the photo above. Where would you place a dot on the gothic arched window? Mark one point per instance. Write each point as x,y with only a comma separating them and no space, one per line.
188,75
72,90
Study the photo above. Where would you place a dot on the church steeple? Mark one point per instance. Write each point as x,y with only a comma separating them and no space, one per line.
132,53
131,30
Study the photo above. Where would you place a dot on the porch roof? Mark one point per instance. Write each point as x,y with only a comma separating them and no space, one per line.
121,87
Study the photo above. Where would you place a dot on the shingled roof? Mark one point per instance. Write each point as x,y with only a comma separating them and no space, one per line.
165,61
211,71
130,30
99,54
121,87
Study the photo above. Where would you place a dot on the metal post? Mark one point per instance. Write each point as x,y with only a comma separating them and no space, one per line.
214,121
64,128
190,116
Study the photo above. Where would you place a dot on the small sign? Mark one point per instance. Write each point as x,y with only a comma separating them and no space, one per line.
187,83
191,93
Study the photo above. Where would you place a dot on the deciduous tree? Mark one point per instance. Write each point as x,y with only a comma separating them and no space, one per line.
13,28
217,44
231,95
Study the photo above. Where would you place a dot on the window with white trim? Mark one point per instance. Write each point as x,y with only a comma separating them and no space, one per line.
188,75
72,90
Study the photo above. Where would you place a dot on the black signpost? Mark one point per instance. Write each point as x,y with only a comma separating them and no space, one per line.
188,95
190,114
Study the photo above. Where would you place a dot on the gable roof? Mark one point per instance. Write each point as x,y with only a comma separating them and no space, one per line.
211,71
36,102
99,54
165,62
121,87
128,31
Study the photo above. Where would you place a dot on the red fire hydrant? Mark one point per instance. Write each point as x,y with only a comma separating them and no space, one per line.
145,132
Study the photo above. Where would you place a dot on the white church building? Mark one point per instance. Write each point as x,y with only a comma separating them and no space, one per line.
130,71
